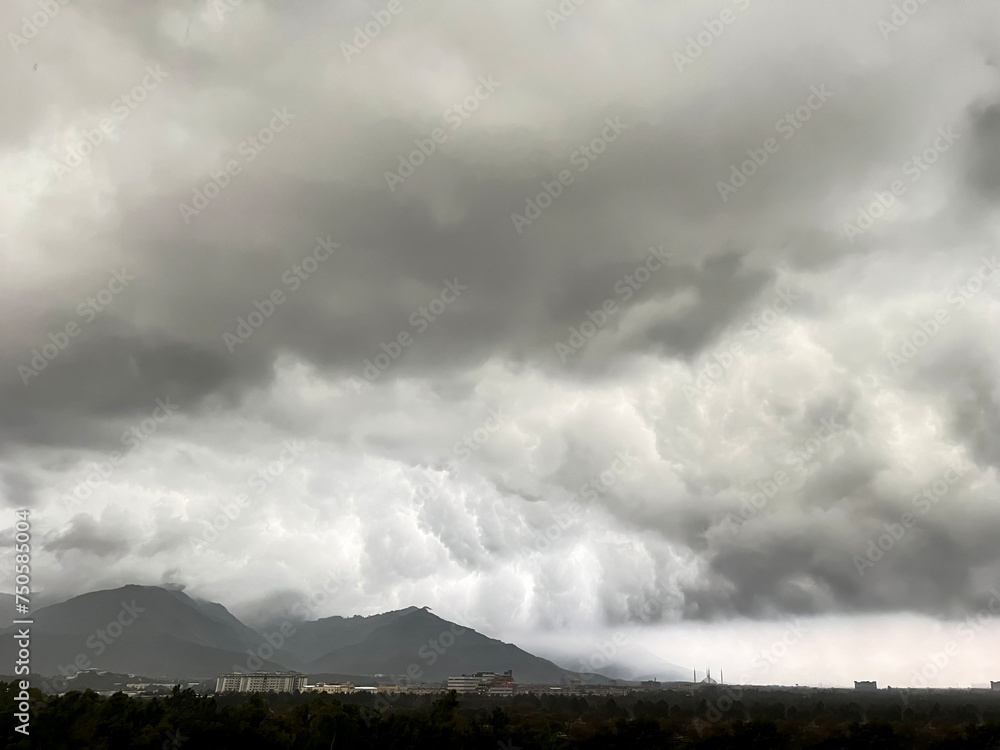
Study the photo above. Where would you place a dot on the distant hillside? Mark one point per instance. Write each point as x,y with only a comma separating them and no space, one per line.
630,662
170,635
408,639
317,638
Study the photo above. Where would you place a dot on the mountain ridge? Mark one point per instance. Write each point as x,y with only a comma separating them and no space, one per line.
163,632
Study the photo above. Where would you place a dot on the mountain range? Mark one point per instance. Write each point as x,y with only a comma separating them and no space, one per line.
164,633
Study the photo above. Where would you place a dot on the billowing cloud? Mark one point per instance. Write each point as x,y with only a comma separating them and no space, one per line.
663,313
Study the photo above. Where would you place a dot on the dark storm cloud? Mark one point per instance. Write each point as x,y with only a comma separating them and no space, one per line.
767,266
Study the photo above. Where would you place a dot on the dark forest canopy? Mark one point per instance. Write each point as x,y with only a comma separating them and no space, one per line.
667,719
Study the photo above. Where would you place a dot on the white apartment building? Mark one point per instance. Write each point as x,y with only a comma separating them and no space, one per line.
260,682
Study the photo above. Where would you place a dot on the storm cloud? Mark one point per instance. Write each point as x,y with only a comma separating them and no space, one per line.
727,271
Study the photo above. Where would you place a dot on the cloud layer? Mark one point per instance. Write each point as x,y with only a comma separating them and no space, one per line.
644,312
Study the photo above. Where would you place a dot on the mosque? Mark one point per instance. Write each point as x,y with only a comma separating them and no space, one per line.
708,678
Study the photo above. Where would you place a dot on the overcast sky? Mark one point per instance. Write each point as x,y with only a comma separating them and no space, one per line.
706,291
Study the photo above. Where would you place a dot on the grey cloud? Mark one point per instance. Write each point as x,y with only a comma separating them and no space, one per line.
353,500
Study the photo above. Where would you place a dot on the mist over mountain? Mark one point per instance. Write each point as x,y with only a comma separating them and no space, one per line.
312,638
163,632
419,642
629,661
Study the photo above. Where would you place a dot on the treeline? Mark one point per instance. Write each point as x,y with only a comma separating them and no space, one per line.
307,721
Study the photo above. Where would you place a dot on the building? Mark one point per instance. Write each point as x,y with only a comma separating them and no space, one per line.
491,683
501,684
994,685
464,683
260,682
650,685
867,687
322,687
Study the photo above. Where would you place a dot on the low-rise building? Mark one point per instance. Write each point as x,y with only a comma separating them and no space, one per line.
501,686
322,687
994,685
491,683
464,683
867,687
260,682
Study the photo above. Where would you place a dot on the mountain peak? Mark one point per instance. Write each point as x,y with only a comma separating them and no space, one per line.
162,631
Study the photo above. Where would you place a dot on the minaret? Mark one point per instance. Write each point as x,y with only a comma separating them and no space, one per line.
722,677
695,678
